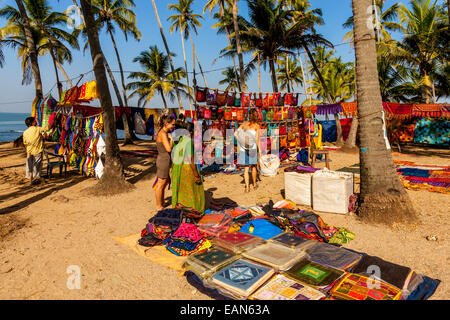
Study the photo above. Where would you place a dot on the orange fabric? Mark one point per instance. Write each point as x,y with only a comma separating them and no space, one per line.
349,108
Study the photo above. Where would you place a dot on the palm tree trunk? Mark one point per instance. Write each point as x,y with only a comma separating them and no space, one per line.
383,198
161,92
58,83
273,74
287,74
259,74
221,13
129,135
303,77
310,91
339,139
185,66
124,91
238,44
112,177
31,48
64,73
168,54
194,53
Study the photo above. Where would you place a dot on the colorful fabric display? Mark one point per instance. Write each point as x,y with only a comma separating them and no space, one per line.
242,277
349,109
432,131
426,110
398,110
326,109
292,241
358,287
281,287
390,273
314,274
333,256
206,263
237,241
261,228
275,255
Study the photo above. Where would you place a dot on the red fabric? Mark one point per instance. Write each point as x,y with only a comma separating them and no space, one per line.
398,110
86,111
346,125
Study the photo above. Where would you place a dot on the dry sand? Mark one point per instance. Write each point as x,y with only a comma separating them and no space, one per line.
45,229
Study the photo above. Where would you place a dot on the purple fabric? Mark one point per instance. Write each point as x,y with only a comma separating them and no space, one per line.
431,183
325,109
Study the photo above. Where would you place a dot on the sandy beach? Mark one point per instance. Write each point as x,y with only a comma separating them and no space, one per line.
46,228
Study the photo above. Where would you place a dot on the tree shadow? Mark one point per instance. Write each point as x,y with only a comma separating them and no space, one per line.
25,203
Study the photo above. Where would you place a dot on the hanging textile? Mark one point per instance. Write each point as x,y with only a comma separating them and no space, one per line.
432,131
328,130
426,110
325,109
398,110
349,109
345,125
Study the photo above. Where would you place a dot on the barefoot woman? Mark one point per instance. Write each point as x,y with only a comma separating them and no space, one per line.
164,144
248,141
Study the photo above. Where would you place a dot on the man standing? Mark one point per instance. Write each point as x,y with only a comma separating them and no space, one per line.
33,140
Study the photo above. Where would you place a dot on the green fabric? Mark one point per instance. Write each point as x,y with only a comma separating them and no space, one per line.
184,189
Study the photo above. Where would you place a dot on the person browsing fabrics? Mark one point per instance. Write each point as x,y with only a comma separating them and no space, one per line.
187,184
33,140
164,144
247,136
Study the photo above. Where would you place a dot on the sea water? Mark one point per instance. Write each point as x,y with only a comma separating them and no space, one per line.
12,125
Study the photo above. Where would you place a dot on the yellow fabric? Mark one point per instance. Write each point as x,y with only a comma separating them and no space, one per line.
318,140
91,90
149,112
33,139
157,254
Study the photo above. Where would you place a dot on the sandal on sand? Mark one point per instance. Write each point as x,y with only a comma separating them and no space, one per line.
255,186
247,189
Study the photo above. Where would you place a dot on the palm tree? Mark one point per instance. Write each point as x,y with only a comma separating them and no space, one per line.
289,74
425,42
47,22
112,178
237,38
231,79
169,55
33,56
186,20
339,80
156,77
384,23
382,198
109,13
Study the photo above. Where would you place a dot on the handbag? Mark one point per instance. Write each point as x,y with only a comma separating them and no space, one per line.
280,100
269,115
265,102
237,101
211,98
207,113
288,99
283,130
231,99
270,99
240,114
234,114
200,112
221,99
245,100
214,113
258,101
294,102
200,94
284,113
227,114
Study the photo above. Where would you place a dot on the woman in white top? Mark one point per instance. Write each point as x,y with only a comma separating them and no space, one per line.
247,136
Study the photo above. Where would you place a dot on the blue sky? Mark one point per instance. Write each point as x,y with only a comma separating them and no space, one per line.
17,98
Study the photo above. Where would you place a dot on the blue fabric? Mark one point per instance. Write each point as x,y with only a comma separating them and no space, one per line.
261,228
432,131
329,131
425,289
414,172
150,126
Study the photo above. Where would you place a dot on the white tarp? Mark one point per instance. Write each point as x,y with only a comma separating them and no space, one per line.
269,165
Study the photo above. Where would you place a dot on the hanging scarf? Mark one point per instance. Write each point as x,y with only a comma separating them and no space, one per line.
426,110
398,110
349,108
326,109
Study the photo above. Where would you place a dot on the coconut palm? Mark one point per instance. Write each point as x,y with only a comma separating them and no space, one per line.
230,79
111,14
48,22
186,20
156,77
425,42
386,21
383,198
113,177
289,74
339,80
44,28
169,55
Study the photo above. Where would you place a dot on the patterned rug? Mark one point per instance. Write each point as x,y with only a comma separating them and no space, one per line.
424,177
